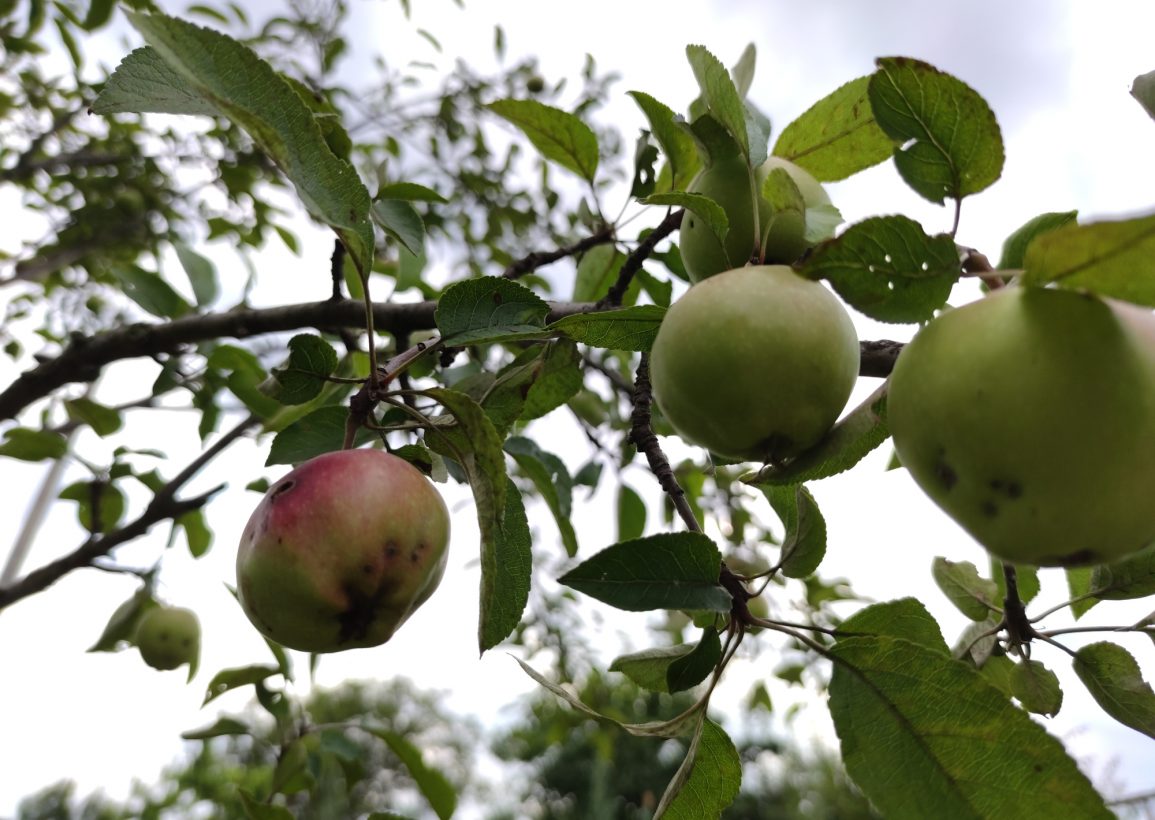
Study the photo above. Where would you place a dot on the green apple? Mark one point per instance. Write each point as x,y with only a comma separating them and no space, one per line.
1029,417
168,637
754,363
341,551
779,237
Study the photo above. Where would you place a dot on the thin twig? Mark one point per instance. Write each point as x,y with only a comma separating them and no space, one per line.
164,505
531,262
634,261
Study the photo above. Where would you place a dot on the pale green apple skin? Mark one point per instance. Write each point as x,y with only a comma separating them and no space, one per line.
168,637
1029,418
728,182
755,363
341,551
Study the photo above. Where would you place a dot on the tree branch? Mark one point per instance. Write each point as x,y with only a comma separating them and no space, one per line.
634,261
537,259
164,505
82,360
643,437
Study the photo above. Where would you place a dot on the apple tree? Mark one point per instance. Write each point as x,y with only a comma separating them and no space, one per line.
532,255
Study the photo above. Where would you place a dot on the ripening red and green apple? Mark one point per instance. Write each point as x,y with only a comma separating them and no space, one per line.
341,551
168,637
755,363
777,238
1029,417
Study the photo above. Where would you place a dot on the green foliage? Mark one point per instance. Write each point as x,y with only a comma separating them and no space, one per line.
467,215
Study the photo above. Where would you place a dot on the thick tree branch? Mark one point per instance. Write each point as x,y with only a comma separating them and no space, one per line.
83,359
643,437
878,357
163,506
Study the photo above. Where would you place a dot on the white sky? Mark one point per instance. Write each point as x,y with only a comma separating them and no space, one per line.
1057,75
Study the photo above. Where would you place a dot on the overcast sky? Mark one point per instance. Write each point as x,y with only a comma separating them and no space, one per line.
1057,75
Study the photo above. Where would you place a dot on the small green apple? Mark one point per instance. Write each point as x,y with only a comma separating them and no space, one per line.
778,238
168,637
341,551
754,363
1029,417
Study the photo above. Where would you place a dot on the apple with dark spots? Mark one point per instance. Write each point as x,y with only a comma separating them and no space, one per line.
755,363
341,551
168,637
1029,417
774,238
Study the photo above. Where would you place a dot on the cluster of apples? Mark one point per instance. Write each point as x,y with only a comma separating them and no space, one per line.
754,362
1027,416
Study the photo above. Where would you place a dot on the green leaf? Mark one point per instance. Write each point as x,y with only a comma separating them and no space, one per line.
99,13
311,361
33,445
1125,580
700,205
506,568
888,268
904,618
434,785
552,480
664,728
1036,687
631,513
720,95
487,309
837,136
677,145
1116,683
557,378
905,714
691,669
399,219
201,273
631,328
665,571
1015,247
1027,578
558,135
973,596
950,144
222,727
151,292
103,420
322,431
257,810
410,191
144,83
1079,584
650,668
238,84
804,544
707,781
597,271
228,679
120,630
196,531
1143,90
1109,258
96,499
863,429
